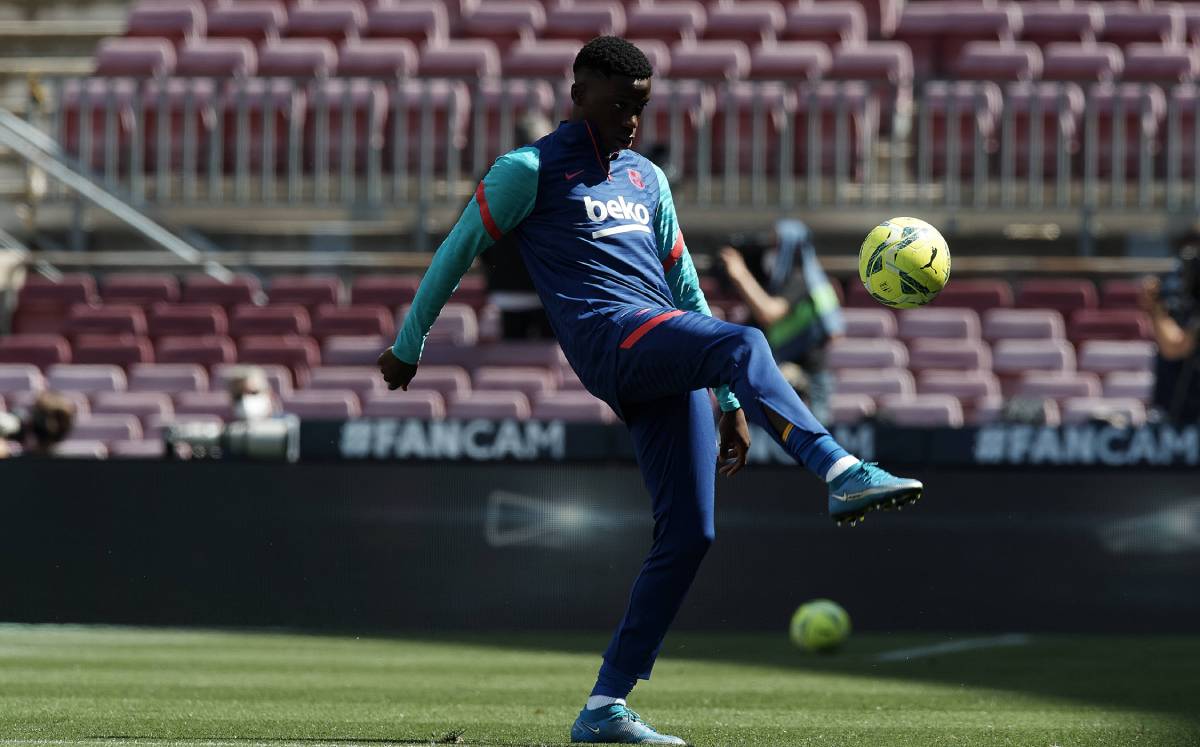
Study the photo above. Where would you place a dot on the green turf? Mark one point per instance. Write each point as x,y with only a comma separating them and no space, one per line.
113,686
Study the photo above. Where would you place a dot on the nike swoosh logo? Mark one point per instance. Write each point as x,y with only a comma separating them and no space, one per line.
572,174
592,729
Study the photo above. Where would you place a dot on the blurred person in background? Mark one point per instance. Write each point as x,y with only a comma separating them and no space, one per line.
37,431
791,300
1173,304
510,288
251,394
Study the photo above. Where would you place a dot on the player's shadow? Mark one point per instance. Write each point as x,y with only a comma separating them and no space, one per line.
1152,674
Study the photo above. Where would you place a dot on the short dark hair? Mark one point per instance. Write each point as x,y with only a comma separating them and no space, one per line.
612,55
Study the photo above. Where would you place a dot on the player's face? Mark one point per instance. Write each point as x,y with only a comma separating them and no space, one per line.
614,105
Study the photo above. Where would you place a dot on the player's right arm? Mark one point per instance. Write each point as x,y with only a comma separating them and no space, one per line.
502,200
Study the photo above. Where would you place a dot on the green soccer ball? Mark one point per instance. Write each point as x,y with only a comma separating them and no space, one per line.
820,625
904,263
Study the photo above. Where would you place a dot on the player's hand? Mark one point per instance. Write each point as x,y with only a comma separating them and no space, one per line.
735,442
1148,296
396,372
733,262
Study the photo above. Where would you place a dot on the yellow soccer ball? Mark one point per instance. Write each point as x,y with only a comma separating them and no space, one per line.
904,263
820,625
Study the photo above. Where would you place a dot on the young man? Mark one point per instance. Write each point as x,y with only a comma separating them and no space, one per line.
597,229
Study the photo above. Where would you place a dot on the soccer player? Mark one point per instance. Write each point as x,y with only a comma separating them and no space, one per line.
596,226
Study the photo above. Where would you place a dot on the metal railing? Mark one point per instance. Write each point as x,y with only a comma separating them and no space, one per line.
825,145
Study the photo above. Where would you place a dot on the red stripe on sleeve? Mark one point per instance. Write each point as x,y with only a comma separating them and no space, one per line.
676,252
646,326
486,214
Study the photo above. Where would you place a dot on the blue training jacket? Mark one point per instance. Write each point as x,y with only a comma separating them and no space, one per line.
599,237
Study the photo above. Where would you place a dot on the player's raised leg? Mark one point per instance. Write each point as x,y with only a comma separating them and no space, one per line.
676,446
687,350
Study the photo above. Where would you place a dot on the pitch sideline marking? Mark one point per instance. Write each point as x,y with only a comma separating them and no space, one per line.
954,647
151,742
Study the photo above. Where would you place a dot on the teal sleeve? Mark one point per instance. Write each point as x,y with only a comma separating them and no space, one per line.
680,271
502,200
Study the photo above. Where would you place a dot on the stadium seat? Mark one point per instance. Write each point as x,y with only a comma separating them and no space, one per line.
710,60
449,111
789,61
658,54
963,121
118,350
584,19
1081,62
504,22
749,126
139,404
448,381
37,349
1143,108
967,385
358,379
957,324
332,104
1012,358
999,61
107,427
1023,324
749,21
456,325
242,289
171,378
1046,22
276,319
69,289
332,20
1106,356
87,379
1126,23
470,59
850,408
204,350
1086,409
937,32
852,353
869,323
1060,108
143,449
392,291
423,404
1154,63
166,320
358,320
25,400
420,22
848,107
278,376
135,58
1120,294
96,111
1058,385
504,102
1129,384
115,319
215,403
322,404
139,288
829,23
40,317
886,68
309,291
681,110
1109,324
956,355
350,350
77,448
550,59
532,382
378,58
1064,296
174,20
257,21
875,382
667,20
921,410
489,405
572,407
298,58
20,377
222,58
297,353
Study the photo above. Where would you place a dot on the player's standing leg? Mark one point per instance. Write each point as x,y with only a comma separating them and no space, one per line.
676,351
676,446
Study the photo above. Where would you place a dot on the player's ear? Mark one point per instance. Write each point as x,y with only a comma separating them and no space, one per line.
578,92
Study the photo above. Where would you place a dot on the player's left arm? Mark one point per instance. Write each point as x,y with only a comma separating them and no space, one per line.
680,271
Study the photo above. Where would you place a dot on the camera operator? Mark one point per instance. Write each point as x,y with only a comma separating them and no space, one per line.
1174,307
47,422
792,301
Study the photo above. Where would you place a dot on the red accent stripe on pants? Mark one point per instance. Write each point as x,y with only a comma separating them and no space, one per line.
646,326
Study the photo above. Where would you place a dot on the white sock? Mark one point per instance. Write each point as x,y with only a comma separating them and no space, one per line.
599,701
840,466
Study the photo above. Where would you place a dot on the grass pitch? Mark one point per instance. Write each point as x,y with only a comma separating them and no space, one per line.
118,686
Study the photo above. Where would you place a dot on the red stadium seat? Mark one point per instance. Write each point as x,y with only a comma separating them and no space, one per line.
361,380
789,60
456,325
331,102
978,295
278,376
20,377
356,320
1143,108
378,58
869,323
533,382
206,350
242,289
449,107
1154,63
1106,356
572,407
1023,324
115,319
351,350
332,20
846,107
174,20
171,378
710,60
550,59
504,22
1109,324
257,21
1126,23
423,405
921,410
417,21
119,350
948,324
658,54
143,405
968,384
298,58
139,288
107,427
135,58
309,291
215,403
508,101
1046,22
1064,296
87,379
854,353
937,32
187,319
96,111
750,21
1058,385
1134,384
999,61
667,20
470,59
322,405
392,291
70,289
848,409
584,19
875,382
681,108
953,355
830,23
1120,294
489,405
960,117
1016,357
277,319
886,70
223,58
448,381
298,353
738,137
1081,62
36,349
1060,108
